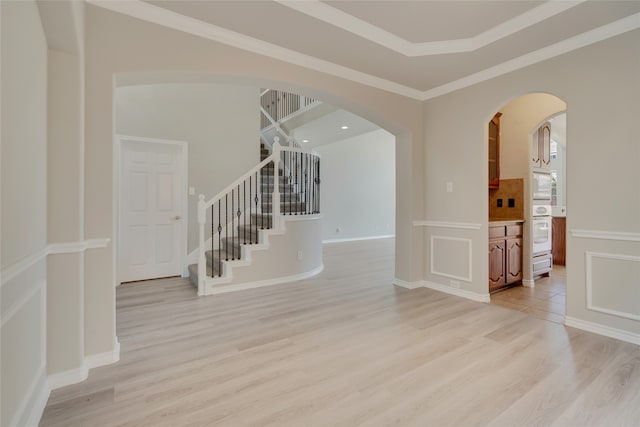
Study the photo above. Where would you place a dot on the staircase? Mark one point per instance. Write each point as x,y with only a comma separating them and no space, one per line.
241,217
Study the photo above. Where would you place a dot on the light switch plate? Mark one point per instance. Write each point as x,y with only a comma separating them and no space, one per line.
192,191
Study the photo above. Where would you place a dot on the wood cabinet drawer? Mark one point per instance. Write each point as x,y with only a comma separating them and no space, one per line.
497,231
514,230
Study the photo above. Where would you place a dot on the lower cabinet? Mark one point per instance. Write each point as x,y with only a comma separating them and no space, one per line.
497,262
505,255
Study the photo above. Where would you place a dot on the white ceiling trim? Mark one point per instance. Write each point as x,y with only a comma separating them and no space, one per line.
150,13
374,34
157,15
604,32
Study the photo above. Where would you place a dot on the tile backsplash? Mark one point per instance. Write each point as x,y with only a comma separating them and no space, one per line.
507,201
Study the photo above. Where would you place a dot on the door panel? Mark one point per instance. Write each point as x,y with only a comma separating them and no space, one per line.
151,210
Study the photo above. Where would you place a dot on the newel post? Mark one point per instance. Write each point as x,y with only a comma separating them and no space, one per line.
275,198
202,262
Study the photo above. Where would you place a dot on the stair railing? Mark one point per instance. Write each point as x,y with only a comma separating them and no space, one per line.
254,202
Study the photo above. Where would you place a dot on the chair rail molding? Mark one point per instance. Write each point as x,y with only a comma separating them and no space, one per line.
17,268
447,224
607,235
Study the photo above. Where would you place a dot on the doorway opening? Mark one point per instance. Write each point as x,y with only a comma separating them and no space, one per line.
152,204
527,206
224,135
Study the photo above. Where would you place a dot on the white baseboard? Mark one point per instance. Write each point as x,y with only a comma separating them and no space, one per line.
357,239
599,329
102,359
65,378
457,292
528,283
29,410
213,290
407,285
77,375
443,288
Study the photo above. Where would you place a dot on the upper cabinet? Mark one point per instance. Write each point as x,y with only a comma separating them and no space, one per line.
541,147
494,151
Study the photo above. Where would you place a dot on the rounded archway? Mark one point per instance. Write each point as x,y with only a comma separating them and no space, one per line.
519,208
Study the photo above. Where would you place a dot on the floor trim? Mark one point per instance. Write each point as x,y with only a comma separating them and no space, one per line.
214,290
102,359
65,378
599,329
357,239
457,292
32,406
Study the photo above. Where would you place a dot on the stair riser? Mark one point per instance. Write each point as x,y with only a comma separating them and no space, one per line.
285,207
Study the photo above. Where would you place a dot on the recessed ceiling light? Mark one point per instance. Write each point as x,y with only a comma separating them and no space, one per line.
305,140
344,127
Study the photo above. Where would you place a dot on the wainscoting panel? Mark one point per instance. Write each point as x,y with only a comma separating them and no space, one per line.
451,257
620,300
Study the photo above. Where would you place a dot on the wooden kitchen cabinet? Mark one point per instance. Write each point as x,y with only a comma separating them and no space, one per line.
494,151
505,254
541,147
514,260
558,240
496,265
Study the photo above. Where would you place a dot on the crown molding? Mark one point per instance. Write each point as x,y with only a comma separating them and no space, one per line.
157,15
375,34
604,32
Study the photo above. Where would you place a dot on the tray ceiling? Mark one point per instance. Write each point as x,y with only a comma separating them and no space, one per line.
415,48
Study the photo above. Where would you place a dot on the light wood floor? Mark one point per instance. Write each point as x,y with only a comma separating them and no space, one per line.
347,348
546,300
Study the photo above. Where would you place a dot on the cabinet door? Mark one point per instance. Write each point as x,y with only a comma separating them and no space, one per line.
535,149
514,260
545,145
494,151
496,265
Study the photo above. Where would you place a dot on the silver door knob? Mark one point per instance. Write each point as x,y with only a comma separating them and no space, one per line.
177,217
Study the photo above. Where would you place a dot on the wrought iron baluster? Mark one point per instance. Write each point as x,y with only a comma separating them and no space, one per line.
213,224
290,187
236,232
219,242
226,229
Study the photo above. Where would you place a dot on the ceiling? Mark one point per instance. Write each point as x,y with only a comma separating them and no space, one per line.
414,48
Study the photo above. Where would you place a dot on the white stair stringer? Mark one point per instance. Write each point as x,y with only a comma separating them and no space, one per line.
276,258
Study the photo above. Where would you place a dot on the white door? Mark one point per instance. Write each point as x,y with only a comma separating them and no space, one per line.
151,216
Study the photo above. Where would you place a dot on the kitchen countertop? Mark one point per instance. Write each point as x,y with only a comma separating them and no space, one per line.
502,221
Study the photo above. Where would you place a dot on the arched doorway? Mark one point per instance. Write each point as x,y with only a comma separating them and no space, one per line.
521,272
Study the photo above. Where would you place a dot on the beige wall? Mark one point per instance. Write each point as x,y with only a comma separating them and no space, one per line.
358,186
24,211
600,85
65,305
137,46
220,123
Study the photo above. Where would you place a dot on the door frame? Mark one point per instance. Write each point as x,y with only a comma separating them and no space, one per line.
119,141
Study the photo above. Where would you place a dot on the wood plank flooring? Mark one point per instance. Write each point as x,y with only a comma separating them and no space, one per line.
347,348
546,300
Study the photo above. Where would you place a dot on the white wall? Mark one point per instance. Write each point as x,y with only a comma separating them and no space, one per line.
220,123
600,85
24,212
358,186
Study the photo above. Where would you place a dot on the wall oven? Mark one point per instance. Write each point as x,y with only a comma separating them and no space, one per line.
541,228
